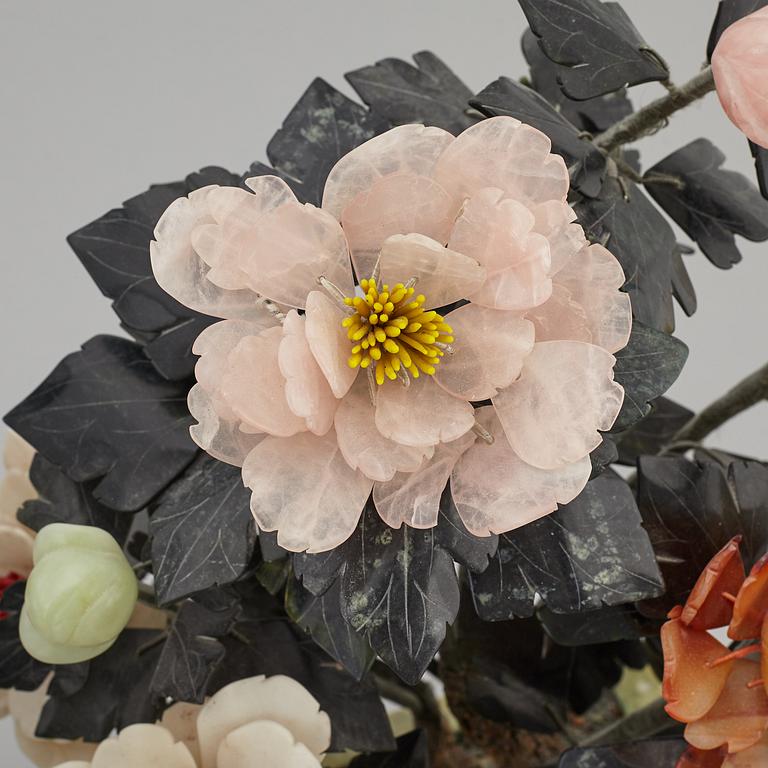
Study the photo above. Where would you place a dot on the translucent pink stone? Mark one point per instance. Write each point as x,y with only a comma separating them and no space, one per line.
414,498
242,210
254,387
443,275
422,414
560,317
222,438
493,230
304,489
182,273
364,447
556,221
16,544
739,64
496,491
565,395
593,278
411,149
290,248
489,349
503,152
306,389
328,341
396,205
522,286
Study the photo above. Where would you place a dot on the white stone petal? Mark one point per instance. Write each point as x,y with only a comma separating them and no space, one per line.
593,278
304,489
411,149
502,152
364,447
306,389
414,498
328,341
254,388
495,491
220,437
444,276
263,743
396,205
278,699
565,394
489,349
180,719
422,414
290,248
181,272
148,746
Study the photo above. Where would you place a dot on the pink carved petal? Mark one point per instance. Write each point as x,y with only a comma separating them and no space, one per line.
493,230
738,65
560,318
496,491
181,272
304,489
222,438
216,342
422,414
503,152
254,388
489,349
522,286
593,278
738,718
15,489
364,447
414,498
306,389
444,275
290,248
691,684
216,245
566,395
396,205
411,149
328,341
17,452
555,220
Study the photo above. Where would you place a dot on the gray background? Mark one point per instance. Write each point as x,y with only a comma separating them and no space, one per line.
98,99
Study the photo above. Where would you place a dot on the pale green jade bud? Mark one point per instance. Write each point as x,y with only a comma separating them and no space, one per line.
79,597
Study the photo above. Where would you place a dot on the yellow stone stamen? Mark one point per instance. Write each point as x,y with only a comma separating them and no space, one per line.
391,330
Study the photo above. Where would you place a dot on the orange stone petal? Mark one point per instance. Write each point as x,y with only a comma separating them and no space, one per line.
691,687
751,603
701,758
706,608
739,717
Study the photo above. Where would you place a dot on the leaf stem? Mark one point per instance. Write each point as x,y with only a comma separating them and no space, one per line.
748,392
642,724
653,116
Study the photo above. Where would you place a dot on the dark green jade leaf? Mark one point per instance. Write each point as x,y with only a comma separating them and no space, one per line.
714,205
62,500
588,554
428,93
598,48
653,432
691,509
659,753
646,368
105,414
203,532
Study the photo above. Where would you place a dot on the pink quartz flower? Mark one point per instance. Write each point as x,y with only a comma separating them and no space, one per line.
332,376
740,67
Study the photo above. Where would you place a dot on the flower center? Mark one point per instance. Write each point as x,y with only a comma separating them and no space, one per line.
391,332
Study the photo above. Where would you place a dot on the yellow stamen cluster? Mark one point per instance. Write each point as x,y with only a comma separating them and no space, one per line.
391,330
